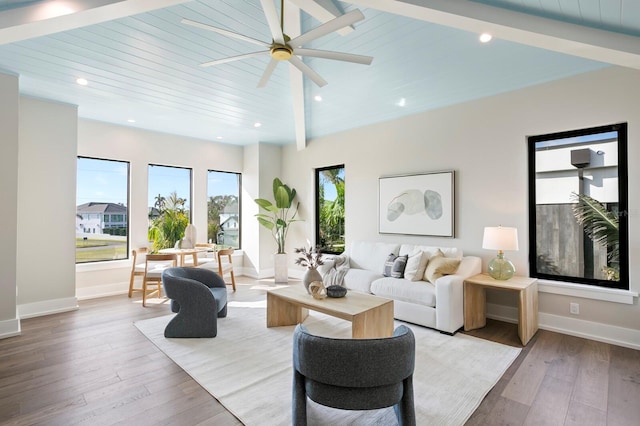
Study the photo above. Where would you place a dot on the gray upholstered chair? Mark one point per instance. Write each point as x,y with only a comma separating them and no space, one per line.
354,374
199,296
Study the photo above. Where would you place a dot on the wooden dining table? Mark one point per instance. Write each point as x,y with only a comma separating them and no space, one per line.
182,253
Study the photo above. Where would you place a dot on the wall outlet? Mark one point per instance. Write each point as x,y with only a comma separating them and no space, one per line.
574,308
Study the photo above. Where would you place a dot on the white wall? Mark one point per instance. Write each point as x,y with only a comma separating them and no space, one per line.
141,148
485,143
9,116
46,207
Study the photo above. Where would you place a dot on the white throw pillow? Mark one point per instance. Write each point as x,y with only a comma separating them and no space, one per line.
416,264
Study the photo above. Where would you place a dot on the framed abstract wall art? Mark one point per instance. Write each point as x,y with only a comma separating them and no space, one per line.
417,204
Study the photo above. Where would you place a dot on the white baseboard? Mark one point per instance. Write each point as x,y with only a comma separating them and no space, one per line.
9,328
606,333
47,307
104,290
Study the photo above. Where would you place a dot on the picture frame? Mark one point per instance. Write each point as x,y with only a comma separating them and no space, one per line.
417,204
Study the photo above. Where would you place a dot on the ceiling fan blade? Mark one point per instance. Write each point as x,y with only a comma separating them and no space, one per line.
273,20
234,58
338,56
225,32
328,27
267,72
306,70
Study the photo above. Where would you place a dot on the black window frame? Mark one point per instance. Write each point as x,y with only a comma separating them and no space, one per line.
623,205
239,175
128,201
318,172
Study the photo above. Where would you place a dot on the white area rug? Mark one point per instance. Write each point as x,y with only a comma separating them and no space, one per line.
247,367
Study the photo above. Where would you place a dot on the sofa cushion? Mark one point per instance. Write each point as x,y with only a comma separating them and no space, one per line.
422,293
394,266
370,255
360,280
416,264
439,266
452,252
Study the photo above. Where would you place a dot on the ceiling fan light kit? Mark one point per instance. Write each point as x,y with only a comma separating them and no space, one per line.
283,48
281,52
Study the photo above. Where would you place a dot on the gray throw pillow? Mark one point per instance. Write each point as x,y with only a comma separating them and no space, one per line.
394,266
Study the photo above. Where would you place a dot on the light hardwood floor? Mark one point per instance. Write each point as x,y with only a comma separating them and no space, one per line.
93,367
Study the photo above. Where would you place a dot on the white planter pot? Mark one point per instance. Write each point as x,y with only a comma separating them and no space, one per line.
280,268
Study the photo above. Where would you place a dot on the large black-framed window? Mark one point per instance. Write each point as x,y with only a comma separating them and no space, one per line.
330,211
224,225
102,210
578,206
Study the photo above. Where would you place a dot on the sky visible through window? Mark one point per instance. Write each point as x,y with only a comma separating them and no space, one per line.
164,180
222,183
101,181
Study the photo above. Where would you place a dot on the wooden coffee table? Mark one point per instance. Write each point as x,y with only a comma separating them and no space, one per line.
370,316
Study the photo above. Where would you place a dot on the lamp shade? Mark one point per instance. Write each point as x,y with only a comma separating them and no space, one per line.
500,238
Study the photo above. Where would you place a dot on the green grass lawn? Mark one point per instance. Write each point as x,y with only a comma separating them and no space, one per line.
91,250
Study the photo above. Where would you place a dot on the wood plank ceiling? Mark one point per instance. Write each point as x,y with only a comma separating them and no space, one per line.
145,67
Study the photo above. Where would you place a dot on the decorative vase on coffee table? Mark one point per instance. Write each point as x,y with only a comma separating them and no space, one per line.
310,276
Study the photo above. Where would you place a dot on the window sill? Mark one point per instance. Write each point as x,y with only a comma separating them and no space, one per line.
587,292
102,266
126,263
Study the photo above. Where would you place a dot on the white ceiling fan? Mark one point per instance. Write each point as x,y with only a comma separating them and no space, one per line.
284,48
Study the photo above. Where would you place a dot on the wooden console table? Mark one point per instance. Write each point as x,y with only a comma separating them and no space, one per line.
475,307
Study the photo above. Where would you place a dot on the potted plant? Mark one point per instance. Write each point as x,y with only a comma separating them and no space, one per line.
278,217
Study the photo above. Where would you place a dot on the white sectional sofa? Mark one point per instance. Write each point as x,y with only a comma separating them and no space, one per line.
437,304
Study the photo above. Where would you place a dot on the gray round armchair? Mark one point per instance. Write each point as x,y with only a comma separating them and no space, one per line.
199,296
354,374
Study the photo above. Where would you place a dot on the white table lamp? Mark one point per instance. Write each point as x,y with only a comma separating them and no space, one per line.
500,238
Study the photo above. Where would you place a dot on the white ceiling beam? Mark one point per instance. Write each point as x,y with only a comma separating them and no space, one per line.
323,11
570,39
292,23
61,15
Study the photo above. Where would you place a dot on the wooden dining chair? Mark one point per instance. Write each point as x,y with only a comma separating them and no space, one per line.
152,280
225,265
137,269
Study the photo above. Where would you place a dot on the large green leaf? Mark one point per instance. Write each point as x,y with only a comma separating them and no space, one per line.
282,197
265,221
600,225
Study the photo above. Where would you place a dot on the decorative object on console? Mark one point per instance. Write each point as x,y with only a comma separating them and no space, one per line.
500,238
310,259
419,204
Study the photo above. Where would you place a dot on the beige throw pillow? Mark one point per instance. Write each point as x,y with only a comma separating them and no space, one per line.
416,264
440,266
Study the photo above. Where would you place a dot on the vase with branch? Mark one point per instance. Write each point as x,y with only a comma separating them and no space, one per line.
310,258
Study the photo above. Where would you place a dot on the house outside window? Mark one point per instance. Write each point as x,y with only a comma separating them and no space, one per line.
330,212
578,226
102,190
223,208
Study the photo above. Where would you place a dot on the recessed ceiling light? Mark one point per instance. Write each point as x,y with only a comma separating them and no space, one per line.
219,137
257,124
82,81
485,37
402,102
317,98
131,120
